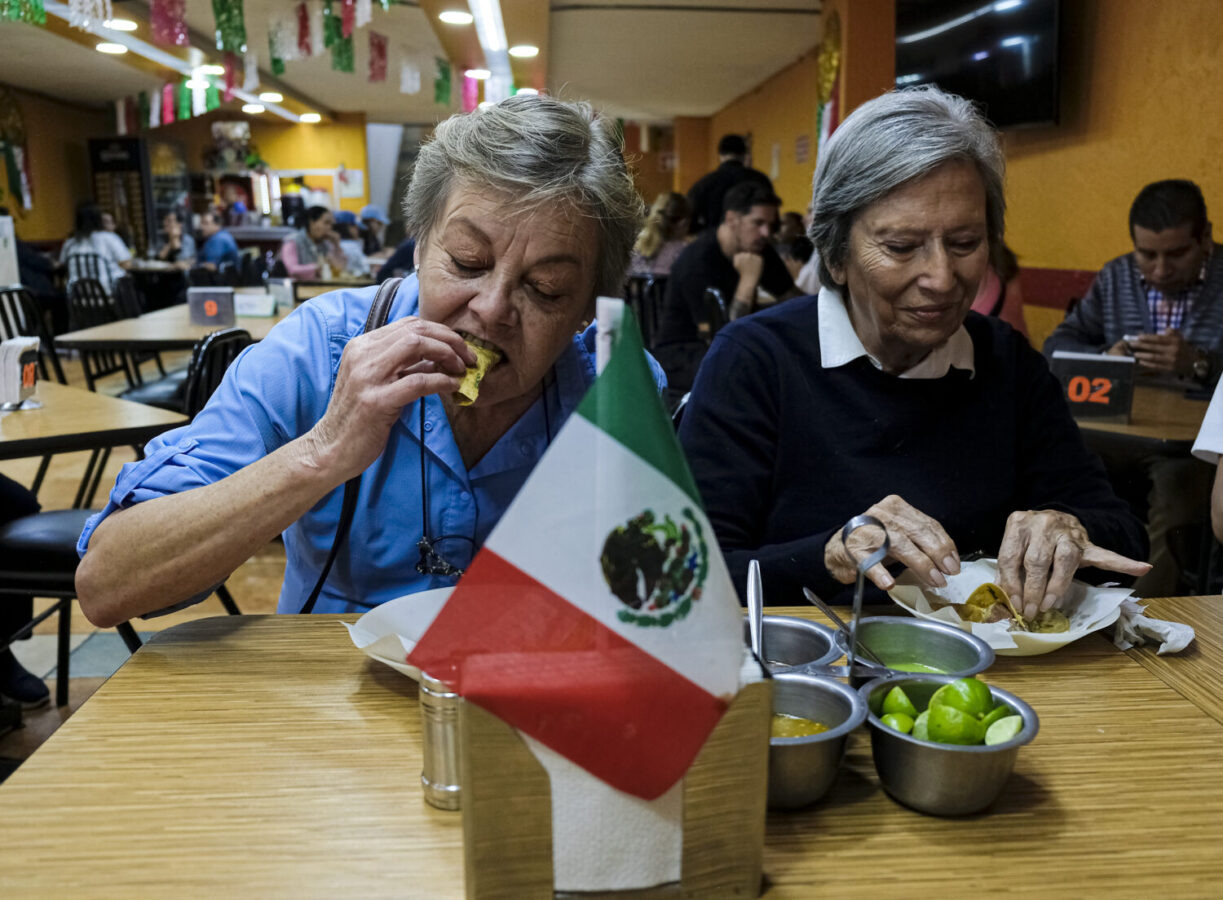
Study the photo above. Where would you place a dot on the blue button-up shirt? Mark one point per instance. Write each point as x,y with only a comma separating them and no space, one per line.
278,389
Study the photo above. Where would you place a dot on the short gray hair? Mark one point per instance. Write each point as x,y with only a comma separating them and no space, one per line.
888,141
538,150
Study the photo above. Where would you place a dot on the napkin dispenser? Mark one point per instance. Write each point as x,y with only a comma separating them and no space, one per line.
18,369
507,810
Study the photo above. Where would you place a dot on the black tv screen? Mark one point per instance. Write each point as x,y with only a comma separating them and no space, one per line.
1001,54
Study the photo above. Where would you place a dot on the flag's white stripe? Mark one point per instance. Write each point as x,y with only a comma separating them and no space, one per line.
587,484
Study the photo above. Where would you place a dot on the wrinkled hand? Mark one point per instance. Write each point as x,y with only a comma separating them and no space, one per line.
1167,352
917,541
749,266
381,372
1040,552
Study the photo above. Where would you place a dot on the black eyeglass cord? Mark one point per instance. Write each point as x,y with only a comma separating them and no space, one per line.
431,562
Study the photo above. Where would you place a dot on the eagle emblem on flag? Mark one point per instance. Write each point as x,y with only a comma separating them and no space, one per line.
656,568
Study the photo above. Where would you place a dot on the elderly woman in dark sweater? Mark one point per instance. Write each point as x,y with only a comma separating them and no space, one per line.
885,395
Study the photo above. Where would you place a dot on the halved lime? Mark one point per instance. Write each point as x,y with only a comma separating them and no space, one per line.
901,722
921,727
897,701
1004,730
967,695
998,712
948,725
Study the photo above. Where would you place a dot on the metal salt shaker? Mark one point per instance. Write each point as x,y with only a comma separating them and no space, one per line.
439,728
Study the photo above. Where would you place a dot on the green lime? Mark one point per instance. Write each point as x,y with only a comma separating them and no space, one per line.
967,695
1004,730
901,722
897,701
921,727
948,725
998,712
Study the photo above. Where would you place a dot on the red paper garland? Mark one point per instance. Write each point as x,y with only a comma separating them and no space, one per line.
377,56
167,19
303,30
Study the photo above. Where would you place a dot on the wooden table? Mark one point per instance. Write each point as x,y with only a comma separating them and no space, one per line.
305,289
76,419
1158,416
163,329
249,756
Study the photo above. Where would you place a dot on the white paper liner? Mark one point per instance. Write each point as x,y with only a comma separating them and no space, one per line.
1089,609
389,632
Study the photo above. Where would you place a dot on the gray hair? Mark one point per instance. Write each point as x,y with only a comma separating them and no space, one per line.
538,150
888,141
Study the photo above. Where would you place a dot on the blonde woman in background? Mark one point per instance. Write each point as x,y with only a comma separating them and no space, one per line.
665,234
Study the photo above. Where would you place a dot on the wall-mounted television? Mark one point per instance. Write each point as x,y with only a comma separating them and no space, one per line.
1002,54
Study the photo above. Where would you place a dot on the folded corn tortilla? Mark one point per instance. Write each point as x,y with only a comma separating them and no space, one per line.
469,389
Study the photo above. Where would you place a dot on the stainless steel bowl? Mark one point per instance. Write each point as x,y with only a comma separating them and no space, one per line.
790,642
940,779
904,640
802,769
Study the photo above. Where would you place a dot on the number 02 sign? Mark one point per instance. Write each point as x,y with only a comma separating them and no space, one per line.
1095,386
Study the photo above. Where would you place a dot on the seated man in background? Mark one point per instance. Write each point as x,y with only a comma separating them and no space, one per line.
219,246
1162,304
736,258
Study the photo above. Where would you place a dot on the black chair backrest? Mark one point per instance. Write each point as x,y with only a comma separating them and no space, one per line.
209,360
716,312
201,277
89,304
128,302
644,294
88,265
15,314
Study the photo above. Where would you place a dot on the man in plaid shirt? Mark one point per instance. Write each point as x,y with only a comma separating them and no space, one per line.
1163,305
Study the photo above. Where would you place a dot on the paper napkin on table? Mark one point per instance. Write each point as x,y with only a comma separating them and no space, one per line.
1134,629
600,621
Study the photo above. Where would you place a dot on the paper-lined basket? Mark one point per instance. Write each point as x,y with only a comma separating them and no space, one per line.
1089,609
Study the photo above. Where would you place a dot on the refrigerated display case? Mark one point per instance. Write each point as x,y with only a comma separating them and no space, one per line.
138,181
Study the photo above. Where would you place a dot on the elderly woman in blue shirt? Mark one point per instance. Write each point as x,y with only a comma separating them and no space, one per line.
523,212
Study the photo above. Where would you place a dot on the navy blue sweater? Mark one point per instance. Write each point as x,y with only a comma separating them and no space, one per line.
785,452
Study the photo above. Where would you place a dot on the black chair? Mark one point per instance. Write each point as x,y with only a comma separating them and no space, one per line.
644,295
202,277
717,313
89,304
92,266
38,552
129,304
20,316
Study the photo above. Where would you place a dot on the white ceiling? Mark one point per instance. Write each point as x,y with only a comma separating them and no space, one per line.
632,58
37,60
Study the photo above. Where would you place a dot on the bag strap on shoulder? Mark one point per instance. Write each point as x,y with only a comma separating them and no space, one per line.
378,313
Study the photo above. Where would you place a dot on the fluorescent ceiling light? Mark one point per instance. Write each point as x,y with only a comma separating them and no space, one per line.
524,51
253,108
1014,41
526,91
197,84
455,17
271,97
119,24
1004,5
478,74
108,47
311,118
211,69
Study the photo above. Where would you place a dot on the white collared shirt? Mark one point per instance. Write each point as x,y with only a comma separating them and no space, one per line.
840,344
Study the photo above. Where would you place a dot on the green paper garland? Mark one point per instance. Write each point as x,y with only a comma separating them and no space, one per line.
332,29
184,102
31,11
342,55
142,111
231,25
441,84
212,97
277,64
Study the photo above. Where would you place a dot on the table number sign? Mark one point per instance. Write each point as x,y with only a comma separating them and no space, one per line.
1097,386
211,305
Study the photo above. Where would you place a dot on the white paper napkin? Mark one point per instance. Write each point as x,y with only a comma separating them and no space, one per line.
1134,629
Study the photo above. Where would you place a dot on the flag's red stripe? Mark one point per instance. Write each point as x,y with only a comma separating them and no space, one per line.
524,653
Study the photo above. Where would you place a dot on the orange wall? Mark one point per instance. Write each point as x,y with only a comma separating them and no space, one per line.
646,166
693,151
287,146
1141,101
868,49
778,111
59,163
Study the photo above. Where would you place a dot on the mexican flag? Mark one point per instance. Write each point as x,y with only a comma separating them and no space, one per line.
599,618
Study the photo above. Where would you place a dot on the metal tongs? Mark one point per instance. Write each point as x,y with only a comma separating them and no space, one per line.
878,556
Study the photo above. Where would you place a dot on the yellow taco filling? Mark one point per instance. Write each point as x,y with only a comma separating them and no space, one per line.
486,357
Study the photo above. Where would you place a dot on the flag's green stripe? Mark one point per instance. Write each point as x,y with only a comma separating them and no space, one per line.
624,402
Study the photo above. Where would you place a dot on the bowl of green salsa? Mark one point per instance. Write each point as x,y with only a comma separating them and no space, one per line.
919,647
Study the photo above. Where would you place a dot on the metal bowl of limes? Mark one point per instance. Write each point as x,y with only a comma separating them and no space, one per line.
912,646
803,768
790,642
948,772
